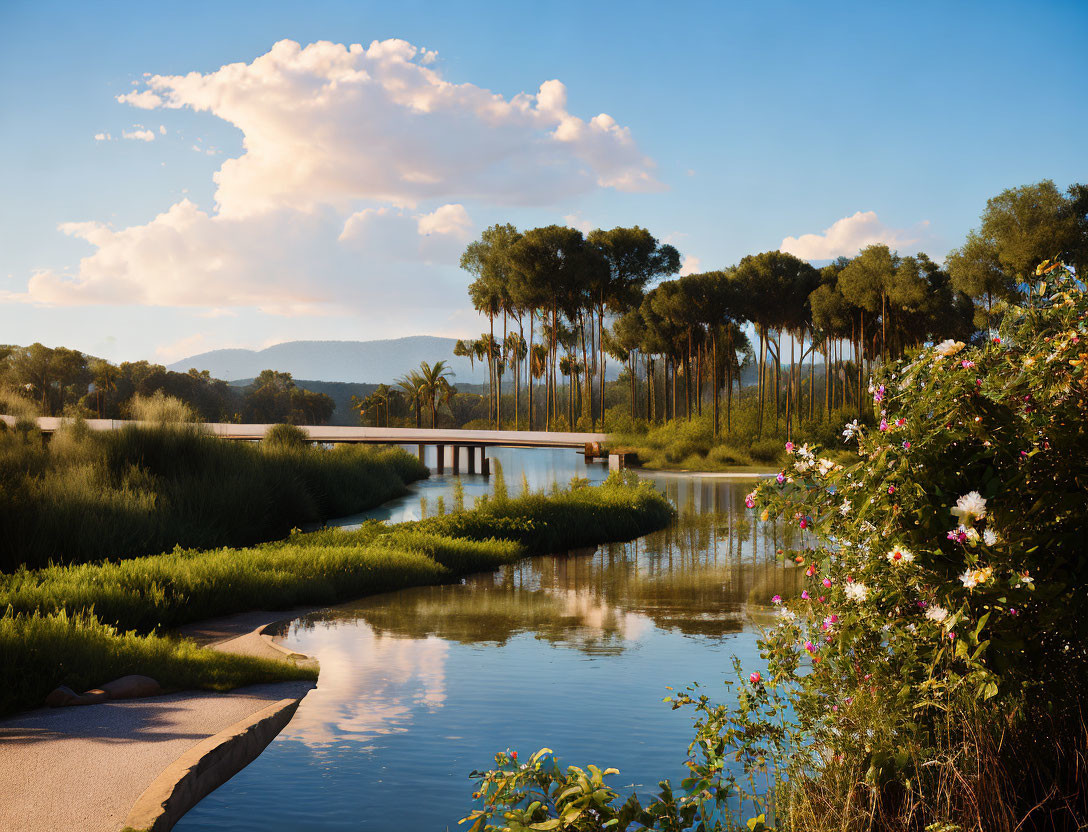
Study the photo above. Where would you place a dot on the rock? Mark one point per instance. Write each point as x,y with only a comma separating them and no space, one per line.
127,687
60,697
132,687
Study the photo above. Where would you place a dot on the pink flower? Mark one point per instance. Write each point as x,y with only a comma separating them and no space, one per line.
952,636
878,396
900,422
776,599
755,678
804,522
789,447
811,570
750,499
883,424
781,478
804,594
834,619
967,364
891,489
810,647
822,598
827,583
906,446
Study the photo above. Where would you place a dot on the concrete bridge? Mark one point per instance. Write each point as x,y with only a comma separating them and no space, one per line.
451,444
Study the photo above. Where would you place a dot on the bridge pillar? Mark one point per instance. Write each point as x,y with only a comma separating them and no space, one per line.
471,459
420,449
440,453
456,459
485,463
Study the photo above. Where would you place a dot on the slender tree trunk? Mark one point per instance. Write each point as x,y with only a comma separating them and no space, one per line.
714,377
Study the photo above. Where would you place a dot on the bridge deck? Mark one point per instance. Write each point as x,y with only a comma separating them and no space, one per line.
374,436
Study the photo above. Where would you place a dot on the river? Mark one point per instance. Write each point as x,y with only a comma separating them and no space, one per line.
572,652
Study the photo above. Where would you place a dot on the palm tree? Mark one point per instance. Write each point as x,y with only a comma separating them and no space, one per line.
411,385
434,384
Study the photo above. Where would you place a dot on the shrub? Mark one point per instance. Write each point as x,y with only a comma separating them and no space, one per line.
932,674
766,450
160,409
286,436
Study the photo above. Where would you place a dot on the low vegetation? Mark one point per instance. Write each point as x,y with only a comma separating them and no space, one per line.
41,651
87,495
148,595
931,677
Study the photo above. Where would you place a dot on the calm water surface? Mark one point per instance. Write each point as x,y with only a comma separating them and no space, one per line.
573,652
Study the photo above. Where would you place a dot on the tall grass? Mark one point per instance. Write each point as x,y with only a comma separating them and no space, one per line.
86,495
153,593
690,444
38,652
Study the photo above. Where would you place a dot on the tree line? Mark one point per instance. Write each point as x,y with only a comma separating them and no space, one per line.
61,381
559,303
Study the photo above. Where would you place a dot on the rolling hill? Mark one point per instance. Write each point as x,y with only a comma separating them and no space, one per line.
368,362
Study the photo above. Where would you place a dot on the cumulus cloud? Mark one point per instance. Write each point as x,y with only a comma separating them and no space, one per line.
103,137
282,262
848,235
138,133
690,265
328,123
351,188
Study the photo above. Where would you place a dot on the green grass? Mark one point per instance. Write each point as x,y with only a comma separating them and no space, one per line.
689,445
146,595
85,496
38,652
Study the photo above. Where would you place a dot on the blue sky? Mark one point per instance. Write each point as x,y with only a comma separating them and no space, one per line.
733,127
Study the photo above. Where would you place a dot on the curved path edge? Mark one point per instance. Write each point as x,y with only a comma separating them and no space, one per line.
206,766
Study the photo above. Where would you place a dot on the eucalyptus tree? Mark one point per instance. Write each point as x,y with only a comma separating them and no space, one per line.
624,342
550,266
489,260
769,283
631,258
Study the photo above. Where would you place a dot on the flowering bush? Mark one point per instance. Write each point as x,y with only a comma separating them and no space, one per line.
940,634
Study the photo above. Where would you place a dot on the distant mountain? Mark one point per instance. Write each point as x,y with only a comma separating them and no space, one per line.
369,362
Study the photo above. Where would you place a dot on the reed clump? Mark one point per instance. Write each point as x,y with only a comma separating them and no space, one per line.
86,495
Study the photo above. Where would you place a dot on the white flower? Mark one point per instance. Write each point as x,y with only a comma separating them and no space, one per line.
852,430
899,555
787,614
948,347
969,579
856,591
971,533
936,613
990,537
826,466
971,506
844,509
805,453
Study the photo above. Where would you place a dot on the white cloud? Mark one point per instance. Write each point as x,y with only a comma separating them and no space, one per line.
144,100
327,124
350,192
103,137
138,133
848,235
282,262
576,220
690,265
162,129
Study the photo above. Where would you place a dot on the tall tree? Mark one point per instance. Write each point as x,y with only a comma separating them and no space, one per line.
632,257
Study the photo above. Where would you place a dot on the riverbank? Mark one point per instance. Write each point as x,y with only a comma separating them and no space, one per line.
147,736
87,495
162,753
72,625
